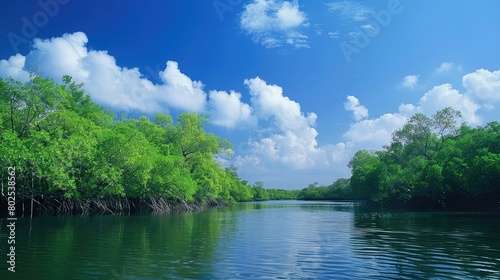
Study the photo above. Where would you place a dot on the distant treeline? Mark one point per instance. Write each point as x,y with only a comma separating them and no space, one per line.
431,162
72,156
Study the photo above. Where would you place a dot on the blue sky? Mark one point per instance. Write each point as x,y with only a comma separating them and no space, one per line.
297,86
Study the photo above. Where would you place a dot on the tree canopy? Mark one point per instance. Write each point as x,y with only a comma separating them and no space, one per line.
431,162
63,145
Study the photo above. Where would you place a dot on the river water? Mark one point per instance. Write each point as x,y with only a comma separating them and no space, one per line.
260,240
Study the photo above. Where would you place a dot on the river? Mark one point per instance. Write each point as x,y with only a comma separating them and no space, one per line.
259,240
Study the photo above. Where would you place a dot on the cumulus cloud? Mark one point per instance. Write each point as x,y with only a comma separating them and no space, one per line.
274,23
110,85
483,85
65,55
269,102
293,141
14,68
482,90
359,111
180,91
373,133
407,109
445,95
410,81
350,10
370,134
440,97
229,111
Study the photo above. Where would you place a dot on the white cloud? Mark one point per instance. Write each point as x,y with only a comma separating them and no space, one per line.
407,110
60,56
290,149
228,110
338,153
370,134
180,91
110,85
273,23
373,133
447,66
269,102
271,15
483,89
370,30
483,85
270,42
334,35
443,96
293,141
14,68
410,81
350,10
359,111
289,15
297,40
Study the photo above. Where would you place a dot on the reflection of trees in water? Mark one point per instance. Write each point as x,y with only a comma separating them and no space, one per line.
429,245
172,246
333,206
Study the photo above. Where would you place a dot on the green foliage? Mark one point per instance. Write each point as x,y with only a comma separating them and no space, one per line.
63,144
313,192
341,189
281,194
259,192
432,161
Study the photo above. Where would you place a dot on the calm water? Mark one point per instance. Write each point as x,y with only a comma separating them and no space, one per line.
268,240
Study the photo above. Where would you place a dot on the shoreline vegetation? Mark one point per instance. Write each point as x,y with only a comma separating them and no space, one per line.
71,156
432,163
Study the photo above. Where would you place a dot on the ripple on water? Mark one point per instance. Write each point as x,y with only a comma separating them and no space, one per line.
283,240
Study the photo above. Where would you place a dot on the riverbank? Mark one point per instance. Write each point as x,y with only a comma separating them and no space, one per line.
43,206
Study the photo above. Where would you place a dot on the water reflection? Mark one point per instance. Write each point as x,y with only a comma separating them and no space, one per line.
430,245
262,240
173,246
